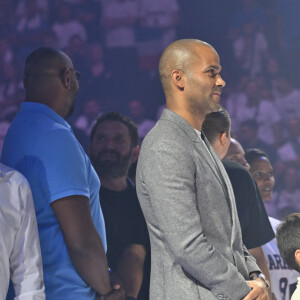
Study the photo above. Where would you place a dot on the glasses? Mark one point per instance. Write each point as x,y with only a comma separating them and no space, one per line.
77,73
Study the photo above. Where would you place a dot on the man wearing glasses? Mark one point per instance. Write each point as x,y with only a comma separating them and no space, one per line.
65,187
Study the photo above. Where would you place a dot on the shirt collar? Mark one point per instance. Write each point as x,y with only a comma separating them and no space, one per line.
39,107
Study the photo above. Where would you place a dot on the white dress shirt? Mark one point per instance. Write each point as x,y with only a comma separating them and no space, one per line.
20,254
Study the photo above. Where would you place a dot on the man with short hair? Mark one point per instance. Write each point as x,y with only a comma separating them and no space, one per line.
65,187
185,194
288,242
255,225
20,250
114,147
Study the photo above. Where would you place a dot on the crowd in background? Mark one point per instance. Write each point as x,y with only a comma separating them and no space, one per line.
116,45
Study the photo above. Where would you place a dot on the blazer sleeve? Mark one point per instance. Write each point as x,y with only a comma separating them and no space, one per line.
167,173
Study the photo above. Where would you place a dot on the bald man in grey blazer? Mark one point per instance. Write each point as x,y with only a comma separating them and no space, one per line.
185,194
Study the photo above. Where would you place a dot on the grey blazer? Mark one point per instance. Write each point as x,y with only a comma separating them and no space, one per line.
189,206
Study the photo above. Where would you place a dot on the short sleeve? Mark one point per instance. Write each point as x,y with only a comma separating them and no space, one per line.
61,164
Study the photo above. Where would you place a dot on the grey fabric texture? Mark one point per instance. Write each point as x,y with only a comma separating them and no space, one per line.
189,207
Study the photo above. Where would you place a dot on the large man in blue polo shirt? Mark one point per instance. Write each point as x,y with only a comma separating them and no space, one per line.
65,187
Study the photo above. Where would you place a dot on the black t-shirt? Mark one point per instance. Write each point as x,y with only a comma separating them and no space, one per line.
125,225
255,225
124,221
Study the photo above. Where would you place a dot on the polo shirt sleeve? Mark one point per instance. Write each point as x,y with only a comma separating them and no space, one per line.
62,165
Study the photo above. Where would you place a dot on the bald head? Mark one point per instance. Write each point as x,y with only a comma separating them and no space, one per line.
236,153
178,56
49,78
43,65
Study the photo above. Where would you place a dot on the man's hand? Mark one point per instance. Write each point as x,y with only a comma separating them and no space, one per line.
259,290
118,292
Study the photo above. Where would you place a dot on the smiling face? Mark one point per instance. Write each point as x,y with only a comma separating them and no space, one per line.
204,82
262,172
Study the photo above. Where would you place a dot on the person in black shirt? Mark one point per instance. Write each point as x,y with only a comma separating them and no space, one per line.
255,225
114,147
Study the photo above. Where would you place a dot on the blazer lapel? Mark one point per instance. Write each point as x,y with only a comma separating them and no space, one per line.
217,167
190,131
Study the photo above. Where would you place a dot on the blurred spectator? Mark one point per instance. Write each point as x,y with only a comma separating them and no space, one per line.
289,152
251,49
288,102
272,28
89,13
98,76
10,81
49,39
289,195
249,11
30,27
156,30
91,111
272,74
288,11
235,97
258,105
119,18
137,113
6,52
66,26
283,279
78,52
42,8
248,137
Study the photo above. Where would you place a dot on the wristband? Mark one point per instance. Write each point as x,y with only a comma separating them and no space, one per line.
262,276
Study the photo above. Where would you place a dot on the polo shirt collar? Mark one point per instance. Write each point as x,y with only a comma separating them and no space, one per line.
39,107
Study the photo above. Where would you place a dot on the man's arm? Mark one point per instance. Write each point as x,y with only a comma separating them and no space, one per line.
26,260
262,262
169,175
130,268
84,243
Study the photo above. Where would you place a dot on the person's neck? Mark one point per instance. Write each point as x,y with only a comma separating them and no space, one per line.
116,184
195,120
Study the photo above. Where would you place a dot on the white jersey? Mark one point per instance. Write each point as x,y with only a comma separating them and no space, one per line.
283,279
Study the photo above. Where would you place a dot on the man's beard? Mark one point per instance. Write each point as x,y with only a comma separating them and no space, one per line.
73,97
111,169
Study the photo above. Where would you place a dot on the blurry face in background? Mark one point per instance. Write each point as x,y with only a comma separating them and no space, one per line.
262,172
291,179
236,153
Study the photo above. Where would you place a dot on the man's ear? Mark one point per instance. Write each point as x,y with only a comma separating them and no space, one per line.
135,154
178,79
297,257
223,138
66,78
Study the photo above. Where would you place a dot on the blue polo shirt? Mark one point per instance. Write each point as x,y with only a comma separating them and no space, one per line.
41,145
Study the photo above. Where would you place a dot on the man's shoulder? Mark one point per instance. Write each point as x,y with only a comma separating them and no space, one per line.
170,128
234,169
12,174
